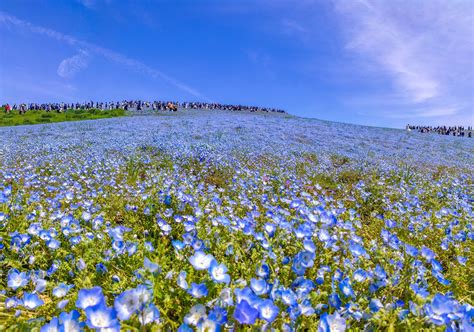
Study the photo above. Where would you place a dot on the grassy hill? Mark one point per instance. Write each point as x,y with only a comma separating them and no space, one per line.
38,117
242,221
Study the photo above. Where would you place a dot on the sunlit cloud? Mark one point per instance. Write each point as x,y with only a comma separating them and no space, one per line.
418,45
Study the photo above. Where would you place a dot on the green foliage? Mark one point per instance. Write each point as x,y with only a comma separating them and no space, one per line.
37,117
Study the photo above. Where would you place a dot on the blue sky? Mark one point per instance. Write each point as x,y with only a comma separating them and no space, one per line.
382,63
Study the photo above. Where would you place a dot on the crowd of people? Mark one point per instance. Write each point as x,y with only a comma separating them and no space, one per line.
444,130
217,106
134,105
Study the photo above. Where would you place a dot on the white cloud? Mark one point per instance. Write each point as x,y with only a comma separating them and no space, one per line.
291,26
108,54
424,113
92,4
69,67
87,3
425,47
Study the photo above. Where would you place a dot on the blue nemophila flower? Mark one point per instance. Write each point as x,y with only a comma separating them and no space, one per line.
16,279
182,283
294,312
420,291
89,297
195,315
462,260
230,250
337,276
288,297
218,315
412,251
198,290
178,245
375,305
53,268
263,271
270,229
248,295
225,297
150,266
53,244
126,304
335,301
81,265
100,316
61,290
427,253
245,314
132,301
440,277
70,321
309,245
359,275
306,258
52,326
268,310
198,245
295,203
189,237
306,308
356,249
346,288
185,328
298,266
327,219
403,314
436,265
86,215
31,301
131,248
441,309
40,285
218,272
149,246
12,302
380,273
303,287
3,198
61,304
19,241
167,200
118,246
201,260
101,268
332,323
145,294
259,286
149,314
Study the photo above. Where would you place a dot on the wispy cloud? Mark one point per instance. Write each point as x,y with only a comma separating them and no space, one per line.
108,54
291,26
424,113
420,45
69,67
92,4
87,3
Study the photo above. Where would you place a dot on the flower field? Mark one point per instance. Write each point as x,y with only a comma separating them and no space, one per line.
226,221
